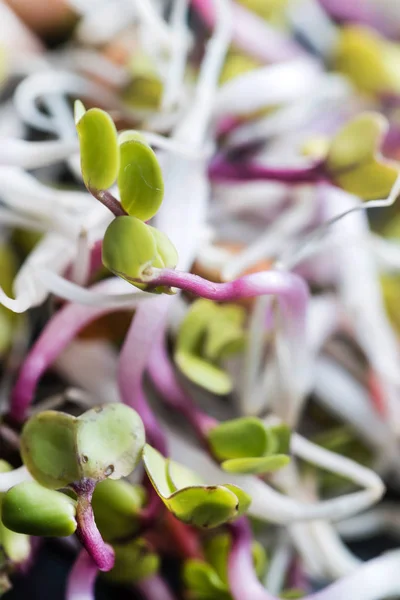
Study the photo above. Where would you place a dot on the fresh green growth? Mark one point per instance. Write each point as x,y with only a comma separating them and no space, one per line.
369,60
15,546
145,90
8,319
354,161
35,510
98,145
208,579
208,334
116,506
185,495
245,445
140,179
131,249
59,449
134,561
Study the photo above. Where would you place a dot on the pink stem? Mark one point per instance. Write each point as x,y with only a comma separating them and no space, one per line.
146,325
377,578
154,588
87,532
164,378
251,33
58,333
221,169
82,578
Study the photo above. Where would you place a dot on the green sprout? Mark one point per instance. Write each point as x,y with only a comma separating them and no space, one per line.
208,334
15,546
134,561
185,495
246,446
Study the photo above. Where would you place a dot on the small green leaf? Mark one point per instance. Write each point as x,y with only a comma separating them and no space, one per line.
116,505
140,179
280,438
133,562
99,147
244,500
204,507
199,505
216,551
34,510
129,248
225,335
167,254
109,440
239,438
354,162
257,465
48,449
368,59
210,377
260,559
292,594
203,582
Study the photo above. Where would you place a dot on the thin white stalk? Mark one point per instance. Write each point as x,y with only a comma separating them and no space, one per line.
159,29
11,478
178,56
32,155
278,565
267,86
378,520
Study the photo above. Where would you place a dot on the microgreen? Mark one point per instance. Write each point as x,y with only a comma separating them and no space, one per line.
16,546
183,492
134,561
209,333
246,446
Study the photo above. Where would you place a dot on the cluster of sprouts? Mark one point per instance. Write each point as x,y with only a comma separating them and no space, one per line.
199,312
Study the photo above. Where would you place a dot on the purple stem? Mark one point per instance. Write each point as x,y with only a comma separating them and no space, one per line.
57,334
87,532
221,169
109,202
146,325
154,588
165,381
358,11
81,580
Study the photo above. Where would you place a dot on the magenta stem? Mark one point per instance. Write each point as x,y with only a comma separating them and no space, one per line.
221,169
109,202
81,580
57,334
87,531
146,325
173,394
155,588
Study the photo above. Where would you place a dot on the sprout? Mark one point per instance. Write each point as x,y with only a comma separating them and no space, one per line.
246,446
134,562
99,147
140,180
32,509
184,494
208,334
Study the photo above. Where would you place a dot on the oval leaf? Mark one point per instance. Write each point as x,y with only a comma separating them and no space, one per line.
255,466
204,507
48,449
98,142
109,441
129,248
210,377
34,510
133,562
239,438
140,180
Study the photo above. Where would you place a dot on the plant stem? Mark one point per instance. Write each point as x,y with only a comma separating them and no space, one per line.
87,532
109,202
82,577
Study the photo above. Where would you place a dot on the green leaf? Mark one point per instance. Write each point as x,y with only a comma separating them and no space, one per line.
116,505
216,551
48,449
166,251
199,505
280,437
133,562
203,582
354,162
225,335
257,465
98,146
210,377
59,449
129,248
140,179
368,59
239,438
34,510
292,594
260,559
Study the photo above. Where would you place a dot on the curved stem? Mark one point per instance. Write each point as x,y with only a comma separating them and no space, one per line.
87,532
221,169
154,588
82,578
109,202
